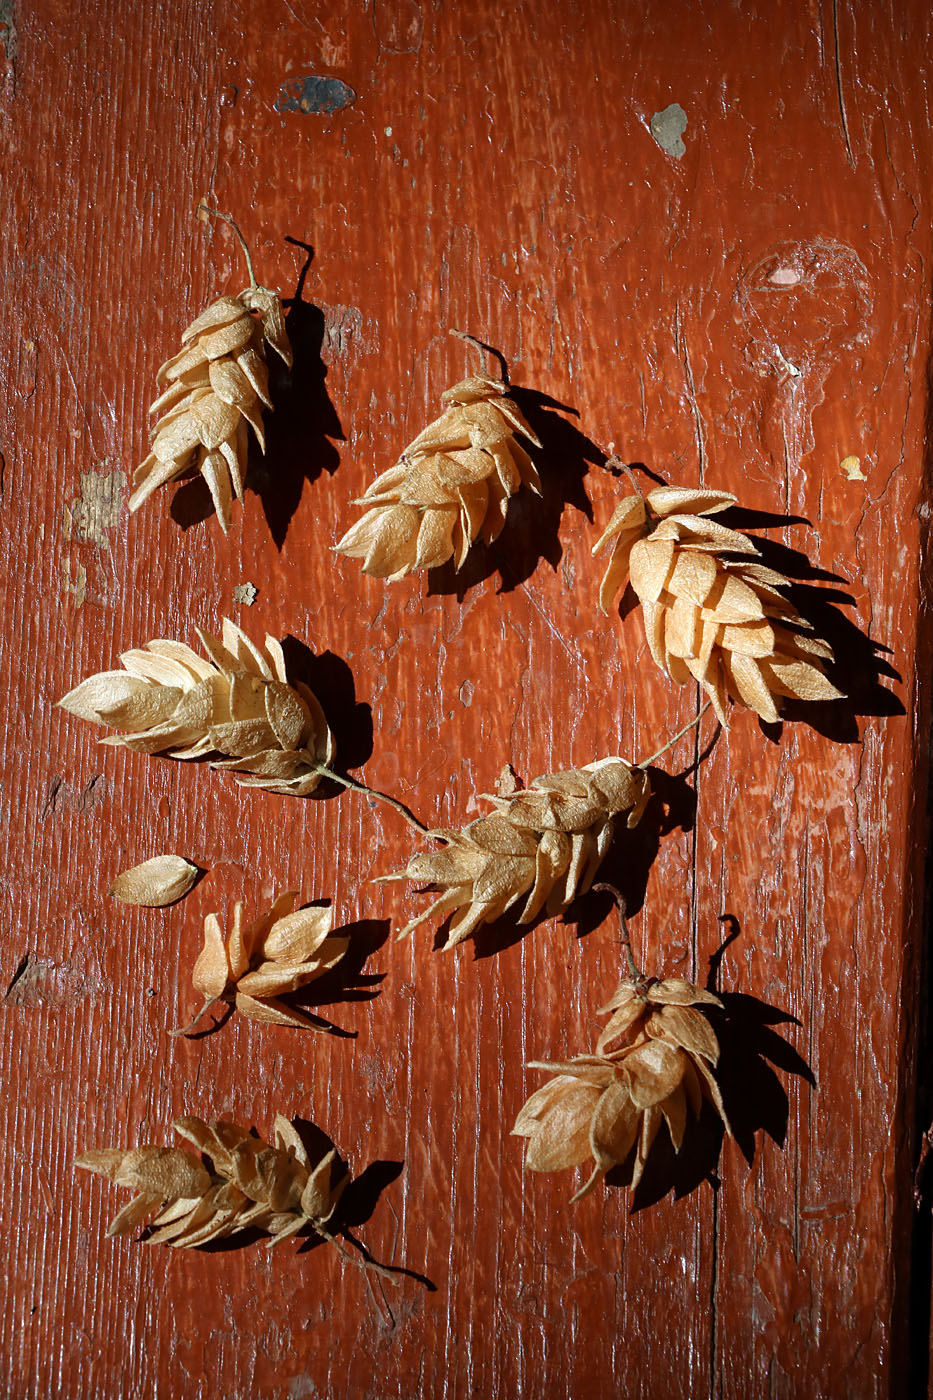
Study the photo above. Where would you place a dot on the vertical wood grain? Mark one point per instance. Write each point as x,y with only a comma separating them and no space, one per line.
495,172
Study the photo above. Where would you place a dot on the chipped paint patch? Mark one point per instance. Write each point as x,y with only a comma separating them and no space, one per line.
343,326
245,593
77,586
314,94
668,127
97,509
61,798
9,37
39,983
852,466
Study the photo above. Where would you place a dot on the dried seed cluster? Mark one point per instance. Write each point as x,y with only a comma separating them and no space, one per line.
214,389
246,1183
282,950
544,843
724,622
239,703
452,484
605,1105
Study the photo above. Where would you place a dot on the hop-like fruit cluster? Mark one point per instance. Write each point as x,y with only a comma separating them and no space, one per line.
451,485
726,623
282,950
213,390
605,1105
239,704
544,843
247,1183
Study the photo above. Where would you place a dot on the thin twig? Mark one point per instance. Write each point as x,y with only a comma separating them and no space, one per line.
616,461
486,350
400,807
189,1029
361,1259
638,977
647,762
228,219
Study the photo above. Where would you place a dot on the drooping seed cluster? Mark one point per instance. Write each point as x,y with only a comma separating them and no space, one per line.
544,844
239,703
605,1105
213,390
722,621
451,485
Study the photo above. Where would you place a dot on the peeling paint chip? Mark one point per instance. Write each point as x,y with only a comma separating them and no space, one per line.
314,94
668,127
245,593
852,466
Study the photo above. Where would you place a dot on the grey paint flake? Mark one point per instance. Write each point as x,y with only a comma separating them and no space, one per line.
668,127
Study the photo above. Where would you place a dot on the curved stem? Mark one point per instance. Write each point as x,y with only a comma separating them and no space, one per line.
486,350
647,762
361,1259
400,807
635,972
189,1029
615,461
228,219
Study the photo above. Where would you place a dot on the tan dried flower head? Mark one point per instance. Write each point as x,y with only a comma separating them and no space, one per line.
239,703
213,390
452,484
282,950
544,843
604,1105
723,622
248,1183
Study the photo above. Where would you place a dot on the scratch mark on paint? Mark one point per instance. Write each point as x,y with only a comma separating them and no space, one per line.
839,93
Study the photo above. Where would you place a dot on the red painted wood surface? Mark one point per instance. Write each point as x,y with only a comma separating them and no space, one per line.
749,313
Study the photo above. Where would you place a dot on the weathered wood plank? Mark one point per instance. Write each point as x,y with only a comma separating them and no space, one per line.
750,313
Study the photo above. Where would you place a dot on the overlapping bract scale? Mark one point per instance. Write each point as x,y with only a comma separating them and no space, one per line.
542,844
282,950
213,391
653,1065
451,485
722,621
246,1183
238,703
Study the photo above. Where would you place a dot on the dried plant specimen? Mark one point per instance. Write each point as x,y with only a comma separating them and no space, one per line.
653,1065
239,703
213,391
543,843
282,950
155,883
450,486
725,622
240,1182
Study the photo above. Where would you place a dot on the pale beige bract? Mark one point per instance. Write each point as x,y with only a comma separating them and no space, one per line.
239,703
725,623
451,485
155,883
214,390
605,1105
249,1183
543,844
282,950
